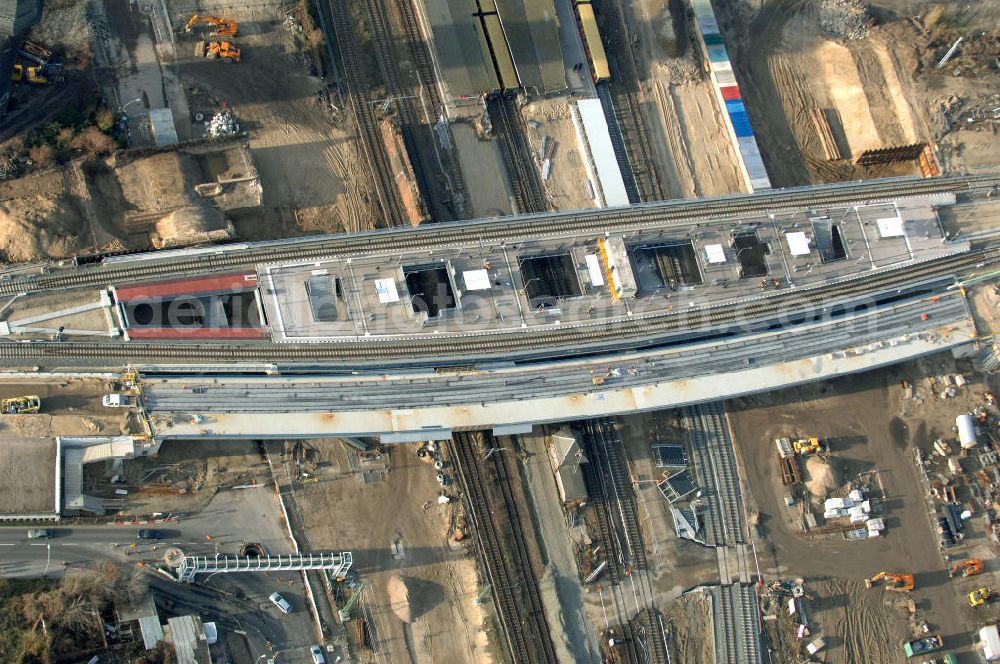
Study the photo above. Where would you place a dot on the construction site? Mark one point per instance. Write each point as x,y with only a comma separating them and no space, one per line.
841,509
443,136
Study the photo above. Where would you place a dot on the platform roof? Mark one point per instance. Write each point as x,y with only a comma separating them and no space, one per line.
595,128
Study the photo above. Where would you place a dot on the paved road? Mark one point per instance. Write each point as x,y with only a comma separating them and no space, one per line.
232,518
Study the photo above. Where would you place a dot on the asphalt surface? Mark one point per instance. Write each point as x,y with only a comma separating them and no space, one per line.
235,601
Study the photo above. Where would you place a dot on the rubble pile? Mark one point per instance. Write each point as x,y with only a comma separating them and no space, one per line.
844,19
223,123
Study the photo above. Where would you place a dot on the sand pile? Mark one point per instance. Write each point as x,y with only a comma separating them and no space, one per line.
820,477
37,227
399,597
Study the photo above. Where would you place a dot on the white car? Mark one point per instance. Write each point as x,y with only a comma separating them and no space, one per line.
281,603
317,655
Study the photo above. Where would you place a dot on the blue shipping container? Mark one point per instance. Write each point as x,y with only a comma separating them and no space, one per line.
741,124
718,53
735,106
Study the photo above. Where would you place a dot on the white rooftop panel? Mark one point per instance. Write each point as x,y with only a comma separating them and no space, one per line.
715,253
595,126
476,280
386,290
594,268
890,227
798,243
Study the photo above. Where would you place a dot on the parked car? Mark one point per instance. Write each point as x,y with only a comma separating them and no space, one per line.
148,534
41,533
280,602
317,655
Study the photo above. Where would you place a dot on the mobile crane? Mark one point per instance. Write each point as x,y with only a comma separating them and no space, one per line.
900,583
223,27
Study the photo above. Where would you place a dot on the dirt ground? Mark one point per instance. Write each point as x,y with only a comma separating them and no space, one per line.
70,407
691,628
857,624
869,426
305,154
878,91
551,118
689,137
184,475
342,511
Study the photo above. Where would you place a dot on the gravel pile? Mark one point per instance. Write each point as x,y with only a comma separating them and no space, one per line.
844,19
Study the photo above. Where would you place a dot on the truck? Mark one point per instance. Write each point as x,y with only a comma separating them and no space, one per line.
923,646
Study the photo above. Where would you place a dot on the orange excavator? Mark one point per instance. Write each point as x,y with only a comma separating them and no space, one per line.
900,583
970,567
223,27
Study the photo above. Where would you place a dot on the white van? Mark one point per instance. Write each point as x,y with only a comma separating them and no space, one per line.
116,401
281,603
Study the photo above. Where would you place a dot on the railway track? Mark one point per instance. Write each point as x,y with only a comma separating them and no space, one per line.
608,483
735,625
604,449
626,103
618,143
624,334
410,121
371,138
713,453
510,229
505,559
427,80
518,159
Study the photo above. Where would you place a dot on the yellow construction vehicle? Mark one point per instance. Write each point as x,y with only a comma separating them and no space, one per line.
970,567
20,405
223,27
224,51
900,583
31,75
980,596
807,445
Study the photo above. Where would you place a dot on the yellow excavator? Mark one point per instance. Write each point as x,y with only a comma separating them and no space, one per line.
970,567
20,405
980,596
900,583
223,27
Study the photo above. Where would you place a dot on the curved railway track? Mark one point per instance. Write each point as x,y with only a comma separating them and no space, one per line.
510,229
554,342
